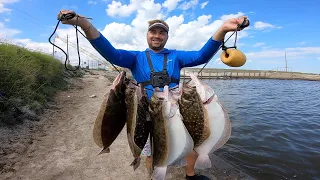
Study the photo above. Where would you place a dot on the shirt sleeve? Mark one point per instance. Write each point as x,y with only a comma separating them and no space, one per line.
115,56
195,58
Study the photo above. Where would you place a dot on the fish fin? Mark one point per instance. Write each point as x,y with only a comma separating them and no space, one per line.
136,163
209,92
203,162
159,173
105,150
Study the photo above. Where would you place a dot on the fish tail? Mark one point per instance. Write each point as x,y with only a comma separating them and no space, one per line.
105,150
159,173
135,163
203,162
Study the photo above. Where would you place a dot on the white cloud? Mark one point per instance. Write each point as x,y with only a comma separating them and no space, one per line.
318,58
93,2
7,32
301,51
7,20
3,9
291,53
34,46
148,10
2,4
203,5
187,5
258,44
228,16
117,9
182,35
120,35
170,4
262,26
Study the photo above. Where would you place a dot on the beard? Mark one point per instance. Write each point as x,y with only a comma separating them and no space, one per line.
157,48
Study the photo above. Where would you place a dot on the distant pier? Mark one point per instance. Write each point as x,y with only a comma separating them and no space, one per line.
210,73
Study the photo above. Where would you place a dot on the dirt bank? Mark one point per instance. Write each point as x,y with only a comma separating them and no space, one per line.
60,145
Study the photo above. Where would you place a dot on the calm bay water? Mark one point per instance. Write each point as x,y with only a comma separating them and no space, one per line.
275,127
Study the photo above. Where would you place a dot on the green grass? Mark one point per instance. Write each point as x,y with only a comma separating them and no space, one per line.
27,78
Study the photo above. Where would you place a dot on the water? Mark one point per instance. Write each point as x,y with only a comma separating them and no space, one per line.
275,127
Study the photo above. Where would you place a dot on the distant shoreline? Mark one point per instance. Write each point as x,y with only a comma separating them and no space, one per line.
212,73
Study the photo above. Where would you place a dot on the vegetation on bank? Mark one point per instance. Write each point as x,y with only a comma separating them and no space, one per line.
28,80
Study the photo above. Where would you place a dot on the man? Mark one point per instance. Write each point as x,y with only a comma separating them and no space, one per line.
157,66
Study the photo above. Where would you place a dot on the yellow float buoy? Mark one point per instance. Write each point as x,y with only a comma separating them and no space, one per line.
233,58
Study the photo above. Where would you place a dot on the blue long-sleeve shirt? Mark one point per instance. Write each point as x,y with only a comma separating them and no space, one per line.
137,61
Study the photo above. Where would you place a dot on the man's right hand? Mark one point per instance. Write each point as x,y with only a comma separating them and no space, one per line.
72,21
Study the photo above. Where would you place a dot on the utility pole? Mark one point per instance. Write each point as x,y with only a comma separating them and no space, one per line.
68,49
53,47
285,57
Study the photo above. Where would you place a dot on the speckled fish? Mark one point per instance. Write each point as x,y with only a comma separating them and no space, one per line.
112,115
220,125
138,120
178,141
195,116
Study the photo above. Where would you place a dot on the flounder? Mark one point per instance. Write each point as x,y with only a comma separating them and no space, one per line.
178,142
195,116
138,119
220,125
112,115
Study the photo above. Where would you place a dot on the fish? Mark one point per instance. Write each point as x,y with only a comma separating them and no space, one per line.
112,115
159,133
138,119
195,116
176,140
220,125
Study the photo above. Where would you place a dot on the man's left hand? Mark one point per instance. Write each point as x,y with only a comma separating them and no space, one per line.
233,23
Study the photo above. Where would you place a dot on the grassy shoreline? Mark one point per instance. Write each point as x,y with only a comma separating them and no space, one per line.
28,80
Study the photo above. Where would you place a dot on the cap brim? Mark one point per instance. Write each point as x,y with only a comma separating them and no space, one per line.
159,25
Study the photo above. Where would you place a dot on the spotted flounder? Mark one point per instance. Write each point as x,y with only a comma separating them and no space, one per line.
220,125
195,116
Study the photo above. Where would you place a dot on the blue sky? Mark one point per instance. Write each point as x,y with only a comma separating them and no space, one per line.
276,27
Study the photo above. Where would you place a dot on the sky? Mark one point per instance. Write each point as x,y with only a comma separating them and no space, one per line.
278,29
